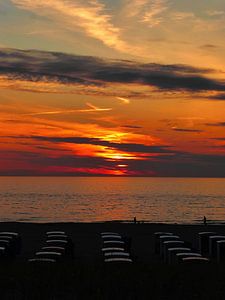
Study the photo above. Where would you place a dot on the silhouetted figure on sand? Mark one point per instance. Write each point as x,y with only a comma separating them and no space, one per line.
204,220
135,220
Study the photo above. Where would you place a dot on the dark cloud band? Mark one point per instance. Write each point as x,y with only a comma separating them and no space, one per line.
64,68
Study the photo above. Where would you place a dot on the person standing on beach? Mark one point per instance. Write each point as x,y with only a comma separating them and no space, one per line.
204,220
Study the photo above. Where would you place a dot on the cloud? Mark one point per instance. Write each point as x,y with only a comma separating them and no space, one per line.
215,13
182,15
179,164
219,139
153,14
90,16
53,71
186,130
135,7
217,124
132,126
220,96
209,47
124,100
126,147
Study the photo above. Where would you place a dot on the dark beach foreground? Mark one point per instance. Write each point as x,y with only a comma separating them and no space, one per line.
87,277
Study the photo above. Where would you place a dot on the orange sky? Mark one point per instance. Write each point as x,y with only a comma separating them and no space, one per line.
121,92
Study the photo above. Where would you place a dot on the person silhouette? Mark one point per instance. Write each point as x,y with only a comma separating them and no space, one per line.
204,220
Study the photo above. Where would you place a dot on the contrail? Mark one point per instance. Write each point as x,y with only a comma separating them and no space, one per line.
56,112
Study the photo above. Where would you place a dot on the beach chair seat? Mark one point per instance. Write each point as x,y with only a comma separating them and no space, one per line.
213,244
118,260
173,251
195,260
203,241
179,256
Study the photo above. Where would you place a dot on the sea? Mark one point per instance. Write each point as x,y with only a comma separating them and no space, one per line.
102,199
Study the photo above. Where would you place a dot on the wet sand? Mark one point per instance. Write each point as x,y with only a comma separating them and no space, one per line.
86,277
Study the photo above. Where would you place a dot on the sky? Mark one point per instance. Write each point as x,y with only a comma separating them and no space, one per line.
112,87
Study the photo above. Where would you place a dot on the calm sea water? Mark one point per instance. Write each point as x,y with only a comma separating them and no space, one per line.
90,199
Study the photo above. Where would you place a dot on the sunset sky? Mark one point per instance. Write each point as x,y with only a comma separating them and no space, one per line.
112,87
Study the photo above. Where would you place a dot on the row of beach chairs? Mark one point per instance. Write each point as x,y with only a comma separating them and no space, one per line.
172,249
57,247
212,245
115,248
10,244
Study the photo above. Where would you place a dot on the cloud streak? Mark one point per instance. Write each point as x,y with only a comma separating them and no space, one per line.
40,70
57,112
90,16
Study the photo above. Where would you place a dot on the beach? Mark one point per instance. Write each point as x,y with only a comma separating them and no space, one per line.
87,277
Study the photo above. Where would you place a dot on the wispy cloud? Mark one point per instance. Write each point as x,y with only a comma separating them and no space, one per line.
182,15
91,108
90,16
135,7
215,13
124,100
153,13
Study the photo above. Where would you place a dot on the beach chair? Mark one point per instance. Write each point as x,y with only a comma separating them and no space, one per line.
220,245
157,241
203,241
213,244
16,240
173,251
170,244
164,238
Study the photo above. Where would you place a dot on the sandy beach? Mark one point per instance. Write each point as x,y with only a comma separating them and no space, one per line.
86,277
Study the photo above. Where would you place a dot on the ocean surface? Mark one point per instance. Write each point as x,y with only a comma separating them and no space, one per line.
92,199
